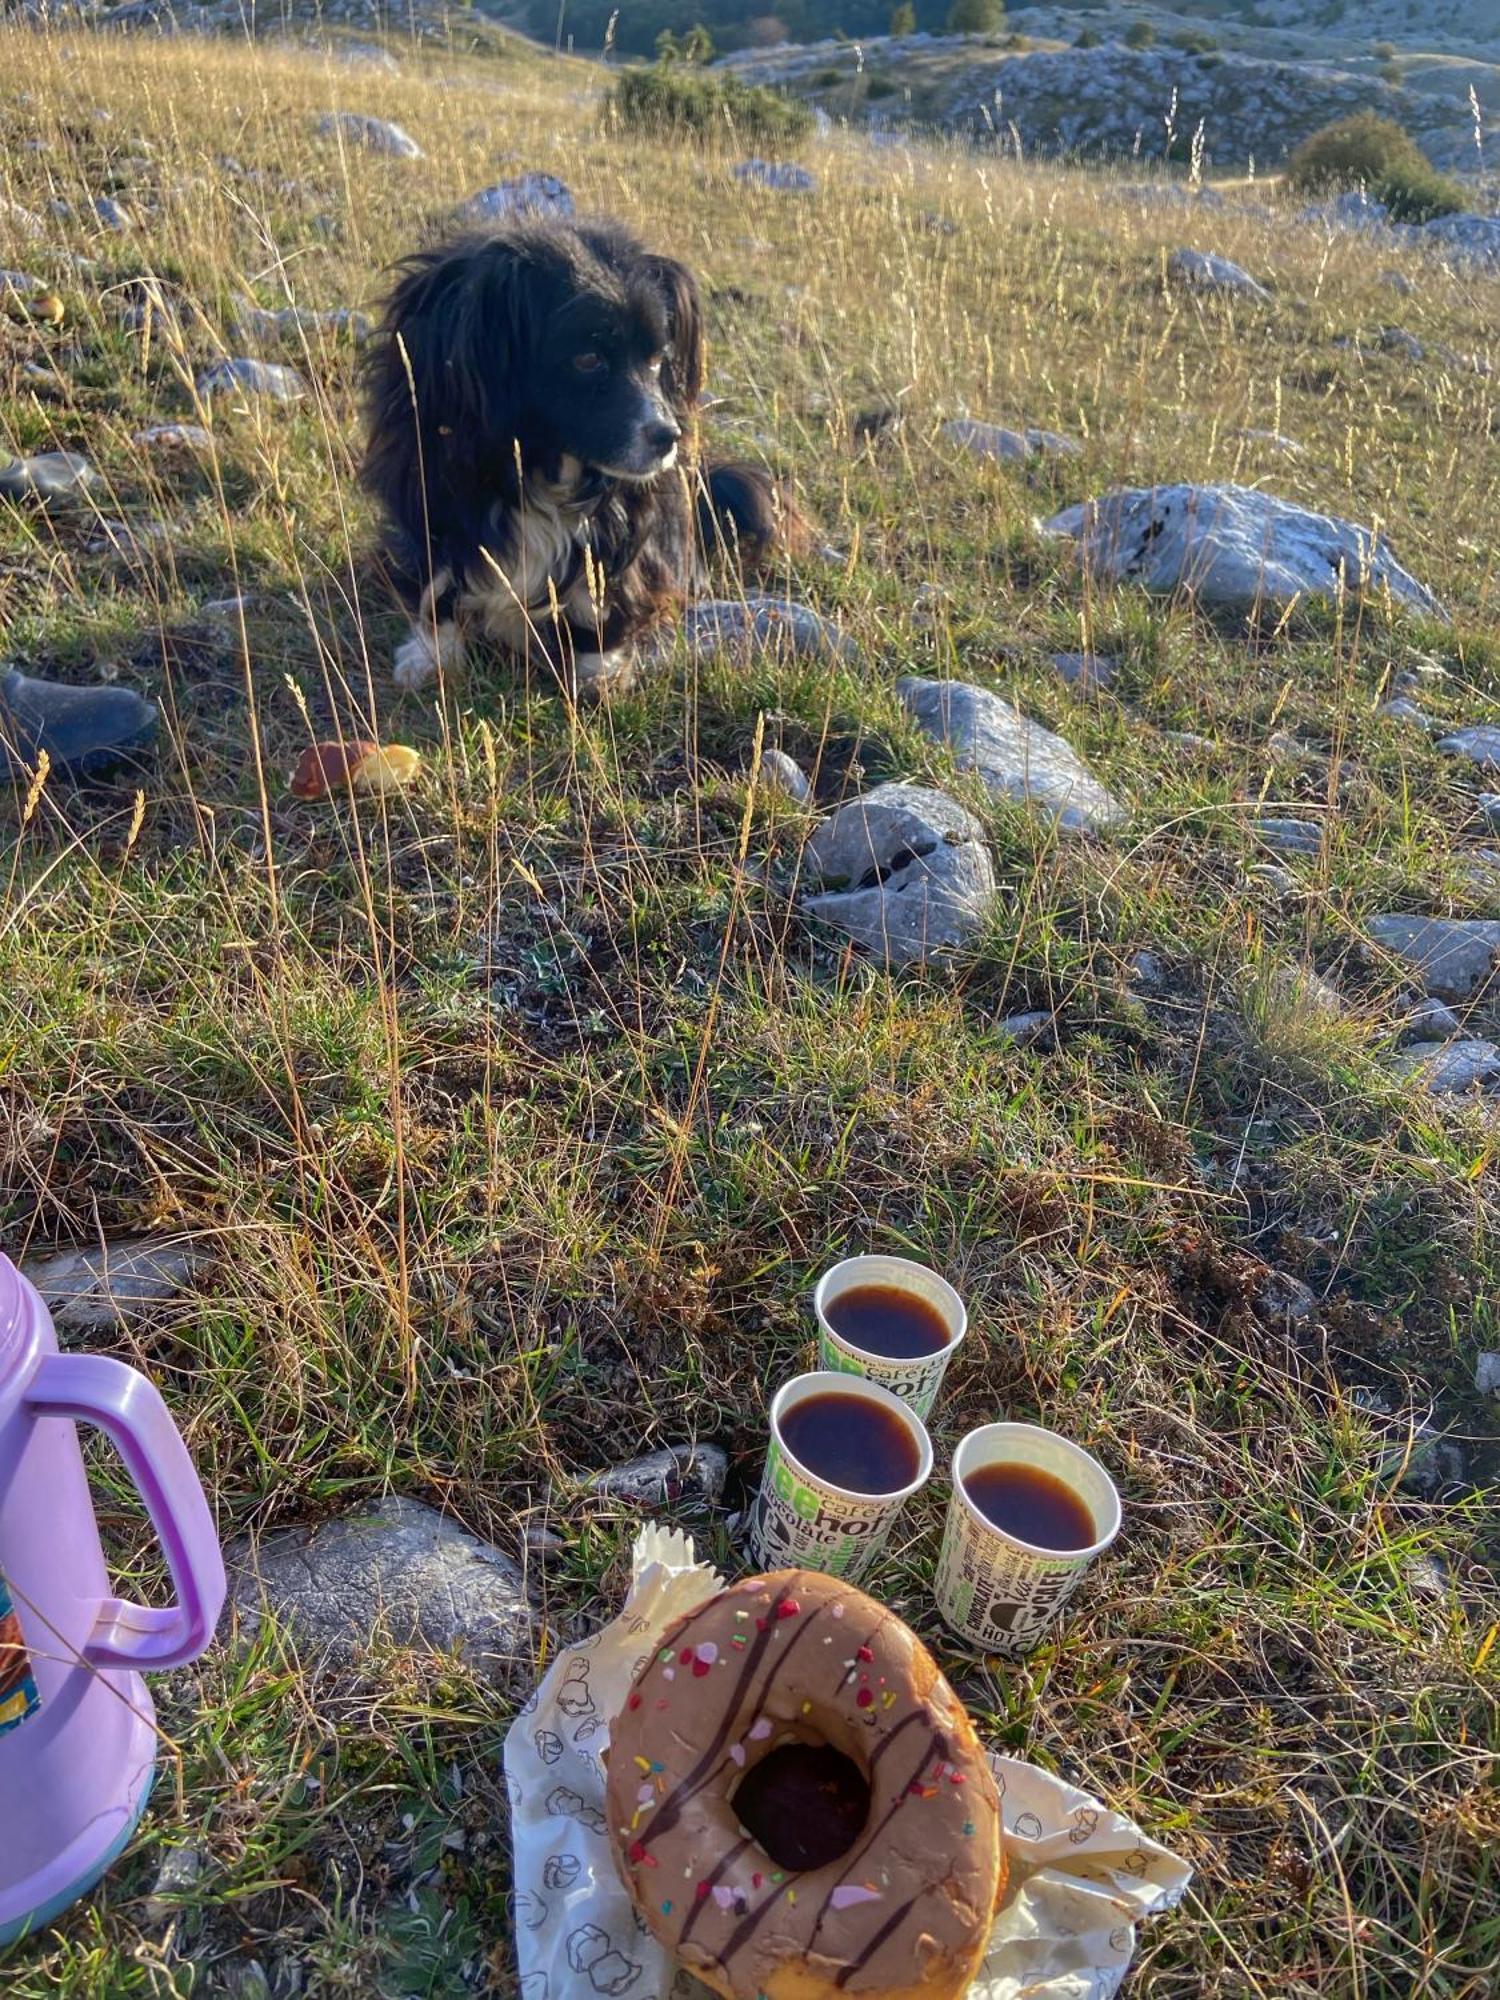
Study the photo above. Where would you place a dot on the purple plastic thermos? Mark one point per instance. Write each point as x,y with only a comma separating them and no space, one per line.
77,1729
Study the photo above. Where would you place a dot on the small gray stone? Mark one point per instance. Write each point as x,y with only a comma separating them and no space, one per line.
1086,670
1304,990
246,1980
245,376
99,1286
254,322
1272,440
1487,1374
1288,836
1147,970
1451,1069
914,878
1480,743
1454,955
782,773
1273,877
52,478
1235,546
1188,739
526,194
681,1475
778,174
231,608
397,1568
1284,1297
377,135
1010,447
1204,272
1427,1576
110,215
20,284
1428,1021
762,625
1409,1446
1488,804
177,1875
173,440
1014,757
1403,710
1027,1031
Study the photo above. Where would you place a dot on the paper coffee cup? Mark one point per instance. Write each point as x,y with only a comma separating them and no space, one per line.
915,1381
996,1590
801,1520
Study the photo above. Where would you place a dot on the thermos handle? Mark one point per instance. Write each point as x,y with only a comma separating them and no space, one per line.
95,1389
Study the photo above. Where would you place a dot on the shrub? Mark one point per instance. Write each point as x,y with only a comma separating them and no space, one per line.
1392,73
904,19
1139,35
1194,42
1374,153
880,86
975,17
1087,38
1384,51
676,102
825,79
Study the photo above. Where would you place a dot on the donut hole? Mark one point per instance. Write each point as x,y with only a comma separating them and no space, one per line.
804,1804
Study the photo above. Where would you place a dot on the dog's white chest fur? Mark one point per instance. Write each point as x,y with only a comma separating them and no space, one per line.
513,591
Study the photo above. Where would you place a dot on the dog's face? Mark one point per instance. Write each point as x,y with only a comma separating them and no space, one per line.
566,344
597,386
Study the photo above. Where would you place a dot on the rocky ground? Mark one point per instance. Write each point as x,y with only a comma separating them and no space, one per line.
1082,872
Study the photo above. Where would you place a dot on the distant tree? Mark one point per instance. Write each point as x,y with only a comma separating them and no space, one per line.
975,17
1374,153
1139,35
764,31
1384,51
904,19
1087,38
697,44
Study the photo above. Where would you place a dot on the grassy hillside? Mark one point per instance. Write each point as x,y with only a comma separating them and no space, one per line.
520,1111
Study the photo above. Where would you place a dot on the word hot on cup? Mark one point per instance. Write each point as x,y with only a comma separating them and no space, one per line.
1030,1511
844,1458
892,1321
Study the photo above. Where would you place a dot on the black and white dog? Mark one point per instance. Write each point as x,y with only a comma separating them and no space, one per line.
532,400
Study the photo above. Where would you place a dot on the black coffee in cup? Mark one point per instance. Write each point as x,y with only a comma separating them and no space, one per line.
851,1441
1035,1506
887,1320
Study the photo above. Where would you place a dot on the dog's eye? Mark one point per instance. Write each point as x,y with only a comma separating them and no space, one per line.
588,364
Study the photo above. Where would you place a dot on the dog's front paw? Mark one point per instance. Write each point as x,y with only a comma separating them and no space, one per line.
596,674
420,656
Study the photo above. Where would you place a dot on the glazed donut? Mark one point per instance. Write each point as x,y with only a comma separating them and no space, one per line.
791,1716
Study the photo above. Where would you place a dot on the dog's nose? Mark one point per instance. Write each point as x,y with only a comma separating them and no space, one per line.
661,437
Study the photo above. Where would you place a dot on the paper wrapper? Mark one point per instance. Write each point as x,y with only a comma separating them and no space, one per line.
1081,1877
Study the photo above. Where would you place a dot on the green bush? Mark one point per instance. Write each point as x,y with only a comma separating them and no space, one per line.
904,19
1087,38
1385,51
1194,42
827,78
1374,153
975,17
677,102
881,86
1139,35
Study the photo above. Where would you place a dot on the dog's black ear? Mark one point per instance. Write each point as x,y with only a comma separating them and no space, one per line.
447,374
685,364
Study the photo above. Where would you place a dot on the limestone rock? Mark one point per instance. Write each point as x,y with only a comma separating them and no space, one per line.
100,1286
778,174
1451,1069
784,774
173,440
263,323
396,1568
1288,836
1488,806
1007,446
377,135
525,194
1015,757
1233,546
761,624
244,376
1028,1031
1454,955
1272,440
1404,710
1480,743
681,1475
51,479
1086,671
1202,271
1429,1021
907,871
1487,1374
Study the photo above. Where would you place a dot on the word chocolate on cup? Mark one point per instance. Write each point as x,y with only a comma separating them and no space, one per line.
892,1321
844,1457
1029,1513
